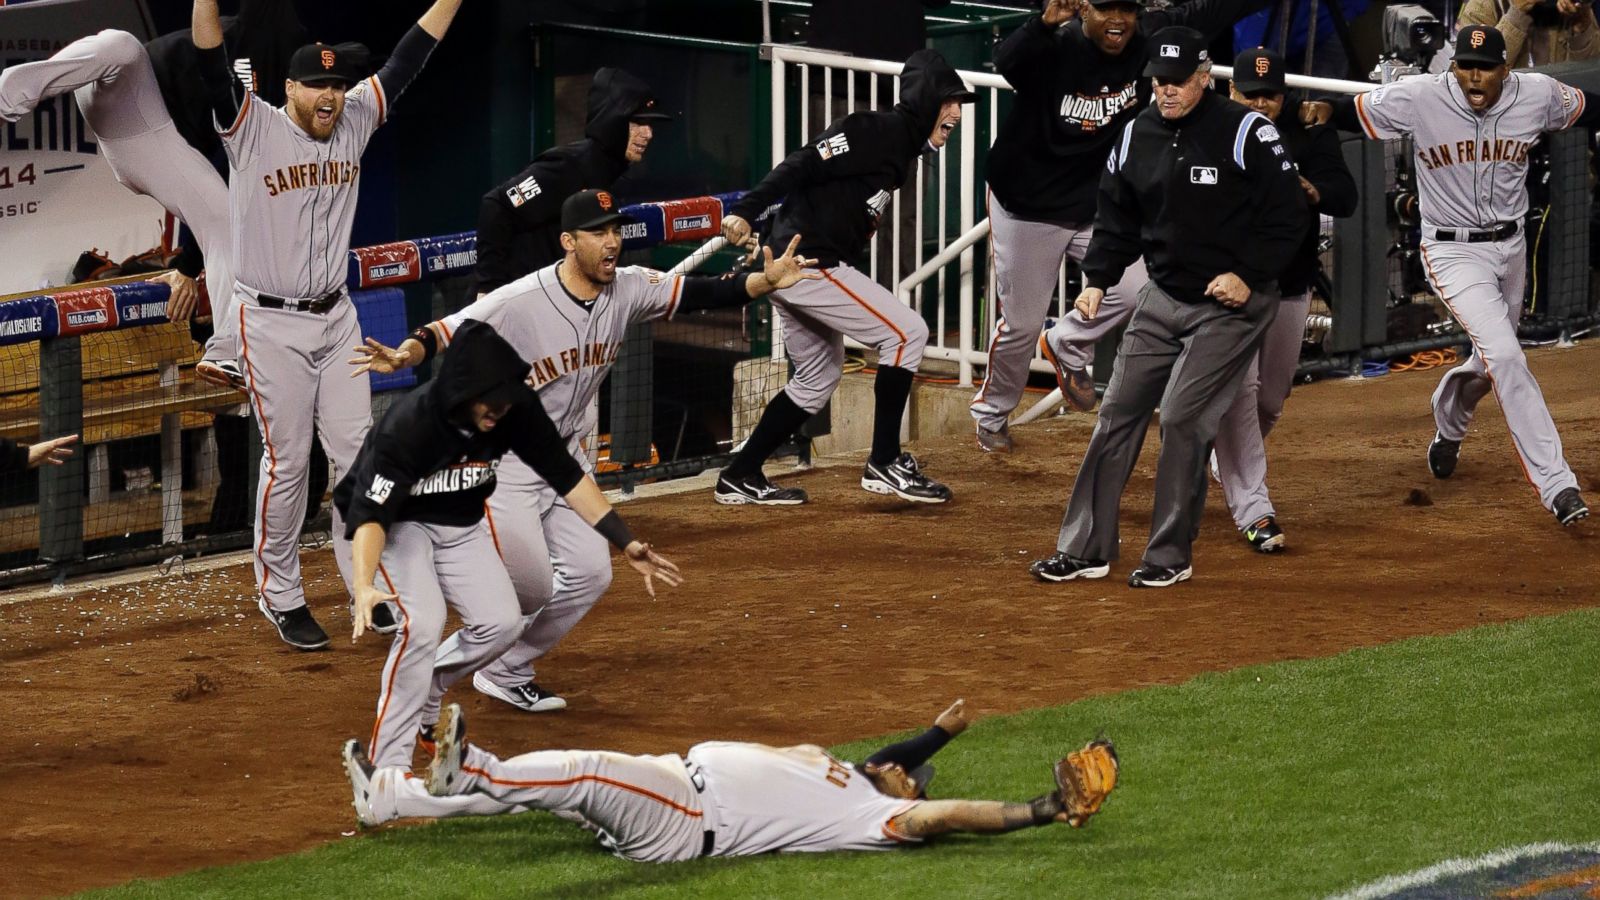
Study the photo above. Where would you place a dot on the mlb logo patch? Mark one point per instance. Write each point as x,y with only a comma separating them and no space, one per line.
838,145
1169,51
1202,175
525,190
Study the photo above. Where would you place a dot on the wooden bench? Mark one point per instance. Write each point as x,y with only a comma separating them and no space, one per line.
137,382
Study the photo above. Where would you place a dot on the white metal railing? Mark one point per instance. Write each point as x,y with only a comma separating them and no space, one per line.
955,248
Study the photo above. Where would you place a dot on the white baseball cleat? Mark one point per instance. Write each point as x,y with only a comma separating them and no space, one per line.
359,770
451,743
528,697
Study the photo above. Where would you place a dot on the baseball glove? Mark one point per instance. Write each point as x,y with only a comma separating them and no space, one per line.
1084,779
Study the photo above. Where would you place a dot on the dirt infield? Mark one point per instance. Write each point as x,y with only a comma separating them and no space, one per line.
160,728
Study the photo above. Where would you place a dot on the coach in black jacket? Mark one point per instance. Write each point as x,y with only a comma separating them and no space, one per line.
519,222
414,499
1241,451
1205,190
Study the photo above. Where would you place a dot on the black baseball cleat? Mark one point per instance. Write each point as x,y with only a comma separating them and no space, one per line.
445,769
1061,567
903,478
1265,535
358,768
1569,507
296,626
1148,575
528,696
1442,456
756,490
425,738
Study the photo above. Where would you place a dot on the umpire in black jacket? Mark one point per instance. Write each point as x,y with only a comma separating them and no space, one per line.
1241,451
1204,189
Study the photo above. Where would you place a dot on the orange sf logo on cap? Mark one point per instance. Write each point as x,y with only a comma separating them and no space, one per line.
604,198
1477,39
327,59
1262,65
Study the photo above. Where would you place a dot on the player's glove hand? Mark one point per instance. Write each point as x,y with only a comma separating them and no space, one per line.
1084,779
367,598
373,356
181,294
788,269
652,565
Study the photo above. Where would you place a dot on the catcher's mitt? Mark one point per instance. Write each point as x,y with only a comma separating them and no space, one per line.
1084,779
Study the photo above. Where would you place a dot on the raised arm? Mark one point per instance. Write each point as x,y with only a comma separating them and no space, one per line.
206,32
412,52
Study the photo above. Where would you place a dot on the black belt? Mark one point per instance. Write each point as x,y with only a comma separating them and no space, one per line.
320,306
1498,233
708,840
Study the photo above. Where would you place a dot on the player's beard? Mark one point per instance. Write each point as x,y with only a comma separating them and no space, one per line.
305,115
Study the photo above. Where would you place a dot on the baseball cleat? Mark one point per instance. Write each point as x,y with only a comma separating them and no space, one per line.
1569,507
756,490
1077,388
220,372
296,626
995,441
1442,456
1061,567
903,478
445,769
1265,535
359,770
528,697
1148,575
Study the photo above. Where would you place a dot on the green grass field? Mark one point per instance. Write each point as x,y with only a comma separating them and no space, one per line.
1290,780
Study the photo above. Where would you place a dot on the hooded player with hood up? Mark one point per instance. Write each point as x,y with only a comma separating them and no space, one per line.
833,191
519,222
413,506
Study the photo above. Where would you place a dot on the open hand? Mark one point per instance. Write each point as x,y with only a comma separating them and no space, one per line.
367,598
374,357
787,269
52,452
652,565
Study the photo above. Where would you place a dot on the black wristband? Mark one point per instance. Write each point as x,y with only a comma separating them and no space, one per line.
428,340
613,529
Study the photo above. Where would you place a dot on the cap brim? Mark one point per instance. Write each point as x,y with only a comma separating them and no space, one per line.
963,96
1487,59
650,117
1168,69
600,222
1100,3
507,394
1251,86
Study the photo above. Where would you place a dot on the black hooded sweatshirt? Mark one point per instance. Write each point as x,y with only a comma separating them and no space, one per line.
418,465
835,188
519,222
1072,101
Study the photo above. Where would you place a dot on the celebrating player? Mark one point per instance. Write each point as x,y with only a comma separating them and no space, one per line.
1204,190
1241,451
519,222
725,798
295,173
415,496
833,190
567,320
1472,127
1077,69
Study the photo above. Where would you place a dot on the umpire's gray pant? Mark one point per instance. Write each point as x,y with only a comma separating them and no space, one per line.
1188,358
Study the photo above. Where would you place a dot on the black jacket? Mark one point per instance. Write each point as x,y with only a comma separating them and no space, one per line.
1317,155
519,222
417,465
1210,193
1072,101
835,188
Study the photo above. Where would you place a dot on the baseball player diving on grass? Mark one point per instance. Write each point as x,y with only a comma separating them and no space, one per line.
567,322
1472,128
834,189
413,504
295,174
724,798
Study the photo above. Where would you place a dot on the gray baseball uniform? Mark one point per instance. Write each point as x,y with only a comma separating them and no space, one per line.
1472,184
292,200
117,92
559,565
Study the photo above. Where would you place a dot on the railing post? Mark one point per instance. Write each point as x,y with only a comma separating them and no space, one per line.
633,397
61,413
171,463
1361,252
1564,287
969,150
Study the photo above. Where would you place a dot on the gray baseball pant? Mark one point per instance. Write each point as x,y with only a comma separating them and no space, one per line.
817,316
1188,359
1482,284
1241,446
120,99
1027,265
427,567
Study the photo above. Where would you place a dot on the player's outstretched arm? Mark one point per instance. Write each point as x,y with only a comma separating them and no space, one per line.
205,25
587,500
436,21
775,275
935,817
366,548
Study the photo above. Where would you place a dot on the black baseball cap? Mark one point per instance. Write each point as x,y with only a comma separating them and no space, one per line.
1259,70
1099,3
590,211
1480,44
322,63
1175,53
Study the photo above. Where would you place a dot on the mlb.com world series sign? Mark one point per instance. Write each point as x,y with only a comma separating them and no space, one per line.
58,196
